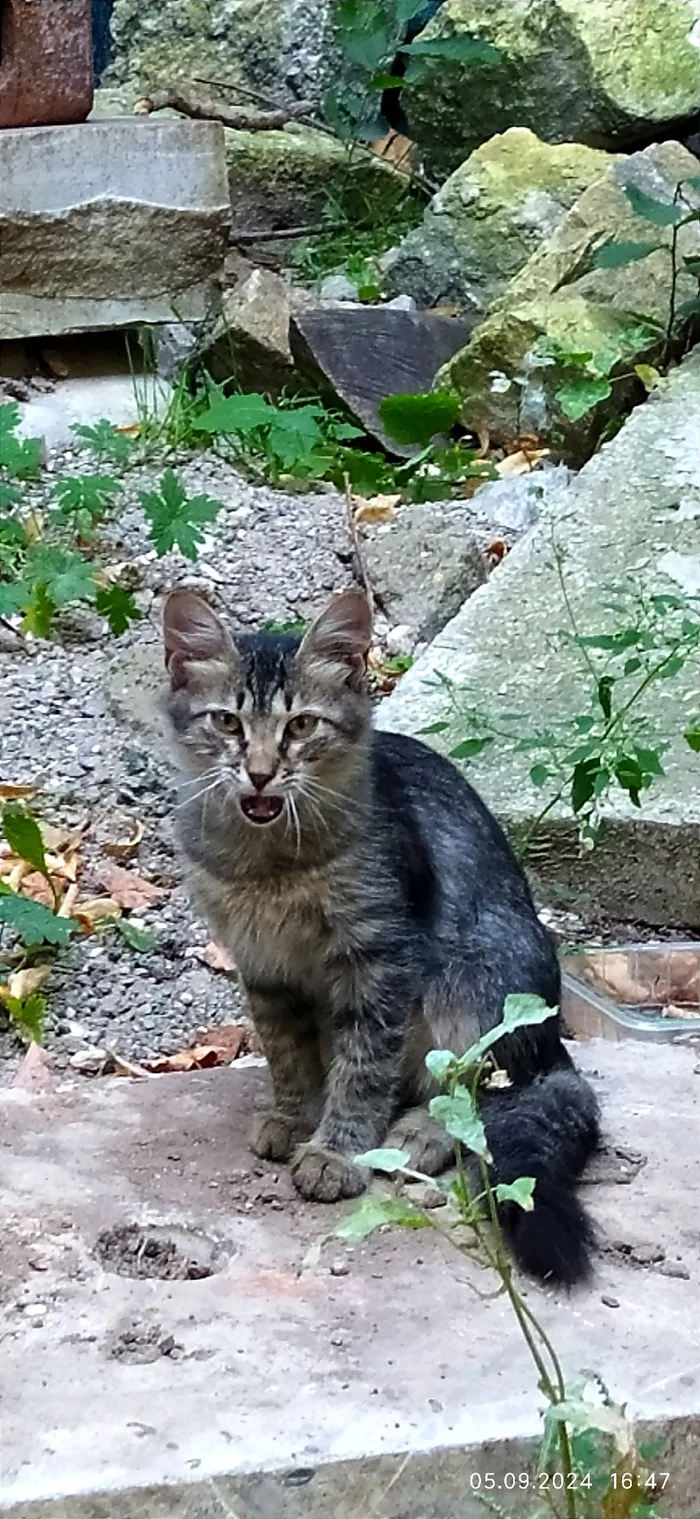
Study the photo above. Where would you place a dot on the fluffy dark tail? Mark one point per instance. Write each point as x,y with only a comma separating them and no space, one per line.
547,1129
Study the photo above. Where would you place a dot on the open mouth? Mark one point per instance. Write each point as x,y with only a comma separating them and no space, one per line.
261,809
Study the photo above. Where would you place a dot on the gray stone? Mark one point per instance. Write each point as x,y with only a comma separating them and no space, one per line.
250,343
297,1394
559,295
489,217
110,223
518,503
175,346
337,287
288,178
355,356
503,653
606,72
423,566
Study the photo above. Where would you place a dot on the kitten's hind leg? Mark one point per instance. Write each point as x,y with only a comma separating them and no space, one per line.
288,1034
430,1148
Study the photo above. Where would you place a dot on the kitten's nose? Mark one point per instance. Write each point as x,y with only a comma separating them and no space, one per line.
259,778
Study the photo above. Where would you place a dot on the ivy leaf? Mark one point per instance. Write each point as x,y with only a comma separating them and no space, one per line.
294,435
458,49
384,1160
119,608
469,748
579,396
175,518
459,1116
374,1212
520,1192
418,418
614,255
105,440
34,923
23,835
662,213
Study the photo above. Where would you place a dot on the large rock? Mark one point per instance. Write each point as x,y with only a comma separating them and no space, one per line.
250,343
561,296
423,566
502,653
605,72
489,217
109,224
287,178
355,356
271,44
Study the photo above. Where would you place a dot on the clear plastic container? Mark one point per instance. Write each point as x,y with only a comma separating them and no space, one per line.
639,991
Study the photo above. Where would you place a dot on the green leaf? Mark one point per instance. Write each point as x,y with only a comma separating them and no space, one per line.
583,781
28,1013
630,777
438,727
649,761
175,518
105,440
34,923
64,574
418,418
384,1160
662,213
692,738
383,81
458,49
632,665
23,835
10,418
468,748
294,435
438,1063
604,693
363,27
119,608
22,460
234,414
459,1117
614,255
615,643
539,775
141,939
373,1212
9,496
92,494
580,396
520,1192
525,1009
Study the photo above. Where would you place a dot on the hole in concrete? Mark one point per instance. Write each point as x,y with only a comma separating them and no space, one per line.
170,1254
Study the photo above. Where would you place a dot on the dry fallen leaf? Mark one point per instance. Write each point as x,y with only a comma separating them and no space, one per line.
520,463
10,793
123,849
222,1046
127,888
95,910
23,983
374,508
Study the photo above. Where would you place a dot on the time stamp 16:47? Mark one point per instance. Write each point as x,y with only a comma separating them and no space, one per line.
542,1482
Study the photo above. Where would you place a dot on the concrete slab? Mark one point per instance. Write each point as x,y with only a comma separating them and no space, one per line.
631,518
305,1377
123,400
110,223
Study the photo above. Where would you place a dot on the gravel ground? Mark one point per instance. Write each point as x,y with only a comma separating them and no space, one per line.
270,555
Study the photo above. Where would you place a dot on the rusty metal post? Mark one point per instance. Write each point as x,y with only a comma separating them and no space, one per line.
45,62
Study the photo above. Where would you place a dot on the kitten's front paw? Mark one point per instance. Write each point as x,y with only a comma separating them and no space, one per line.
323,1176
275,1135
430,1148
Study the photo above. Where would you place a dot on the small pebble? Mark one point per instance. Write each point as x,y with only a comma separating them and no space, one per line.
610,1302
339,1268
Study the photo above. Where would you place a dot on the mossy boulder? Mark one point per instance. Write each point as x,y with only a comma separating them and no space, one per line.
511,375
288,178
603,72
276,45
489,217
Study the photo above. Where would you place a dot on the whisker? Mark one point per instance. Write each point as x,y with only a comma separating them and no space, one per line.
188,800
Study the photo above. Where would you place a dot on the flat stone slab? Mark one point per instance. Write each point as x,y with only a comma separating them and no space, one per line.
110,223
305,1377
631,518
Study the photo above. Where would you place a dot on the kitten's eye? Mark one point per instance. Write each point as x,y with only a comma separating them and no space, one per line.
227,722
302,726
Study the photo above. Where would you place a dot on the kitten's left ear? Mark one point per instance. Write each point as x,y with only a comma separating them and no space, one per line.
339,640
192,634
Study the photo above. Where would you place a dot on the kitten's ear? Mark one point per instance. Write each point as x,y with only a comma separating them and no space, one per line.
192,633
338,641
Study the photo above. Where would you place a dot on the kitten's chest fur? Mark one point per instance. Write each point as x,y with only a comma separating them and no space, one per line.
287,928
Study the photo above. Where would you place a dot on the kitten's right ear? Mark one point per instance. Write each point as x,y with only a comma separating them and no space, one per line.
192,633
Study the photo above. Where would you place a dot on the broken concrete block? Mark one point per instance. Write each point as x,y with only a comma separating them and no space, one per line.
109,224
355,356
287,179
250,343
423,566
619,529
45,62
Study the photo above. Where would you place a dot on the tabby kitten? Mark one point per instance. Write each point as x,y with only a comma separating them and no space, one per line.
375,911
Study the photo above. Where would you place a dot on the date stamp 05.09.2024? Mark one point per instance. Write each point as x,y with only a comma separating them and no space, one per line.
650,1486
